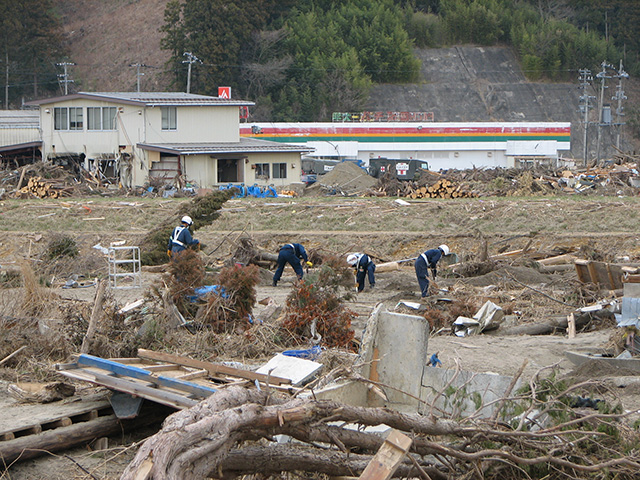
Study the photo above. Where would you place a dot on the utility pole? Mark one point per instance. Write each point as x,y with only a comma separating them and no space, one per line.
65,76
619,96
585,82
138,74
6,82
603,79
191,59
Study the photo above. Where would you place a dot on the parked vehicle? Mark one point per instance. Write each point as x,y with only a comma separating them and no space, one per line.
400,168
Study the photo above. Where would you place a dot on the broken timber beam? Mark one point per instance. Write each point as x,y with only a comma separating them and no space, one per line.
383,465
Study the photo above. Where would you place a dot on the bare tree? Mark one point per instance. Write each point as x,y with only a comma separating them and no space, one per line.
231,434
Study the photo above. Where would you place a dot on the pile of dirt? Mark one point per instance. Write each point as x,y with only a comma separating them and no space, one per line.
346,178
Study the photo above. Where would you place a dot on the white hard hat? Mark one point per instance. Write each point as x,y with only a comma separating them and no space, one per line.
352,259
445,249
187,219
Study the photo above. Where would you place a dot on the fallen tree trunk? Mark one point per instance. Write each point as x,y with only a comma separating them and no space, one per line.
211,439
550,325
275,459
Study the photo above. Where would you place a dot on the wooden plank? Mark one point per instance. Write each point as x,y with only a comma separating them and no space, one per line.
193,375
582,270
571,329
142,374
212,368
132,387
383,465
616,273
164,367
593,273
558,260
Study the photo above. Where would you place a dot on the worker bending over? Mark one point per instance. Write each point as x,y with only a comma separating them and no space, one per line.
364,267
181,237
291,253
428,261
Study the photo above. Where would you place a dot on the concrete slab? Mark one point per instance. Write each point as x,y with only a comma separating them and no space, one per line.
463,394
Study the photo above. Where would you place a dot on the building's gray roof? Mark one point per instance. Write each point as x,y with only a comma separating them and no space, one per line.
245,145
19,119
149,99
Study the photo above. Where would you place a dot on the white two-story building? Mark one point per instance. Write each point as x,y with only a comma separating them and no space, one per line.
139,136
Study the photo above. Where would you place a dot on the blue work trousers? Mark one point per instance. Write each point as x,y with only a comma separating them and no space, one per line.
287,255
422,272
364,272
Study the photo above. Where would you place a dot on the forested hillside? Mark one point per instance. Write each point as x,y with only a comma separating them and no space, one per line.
299,60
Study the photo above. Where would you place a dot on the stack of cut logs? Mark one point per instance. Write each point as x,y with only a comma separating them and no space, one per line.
443,188
40,188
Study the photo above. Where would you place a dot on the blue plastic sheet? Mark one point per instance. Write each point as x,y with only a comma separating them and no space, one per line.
309,353
254,190
201,292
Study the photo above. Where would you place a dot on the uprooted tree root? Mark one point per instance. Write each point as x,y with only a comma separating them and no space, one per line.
231,433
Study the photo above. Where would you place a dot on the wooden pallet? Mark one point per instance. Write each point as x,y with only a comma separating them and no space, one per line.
70,414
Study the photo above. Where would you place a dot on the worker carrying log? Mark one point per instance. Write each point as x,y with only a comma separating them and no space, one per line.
364,267
291,253
428,261
181,237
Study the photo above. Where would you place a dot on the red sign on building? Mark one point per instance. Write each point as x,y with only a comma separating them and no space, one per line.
224,92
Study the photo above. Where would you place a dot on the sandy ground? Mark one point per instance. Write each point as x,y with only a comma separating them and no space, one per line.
482,353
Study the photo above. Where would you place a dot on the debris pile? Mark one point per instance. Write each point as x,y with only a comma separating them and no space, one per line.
612,179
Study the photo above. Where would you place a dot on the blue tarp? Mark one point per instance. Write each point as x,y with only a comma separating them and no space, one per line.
309,353
253,191
201,292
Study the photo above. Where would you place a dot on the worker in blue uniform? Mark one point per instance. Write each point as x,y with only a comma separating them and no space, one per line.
181,237
291,253
364,268
428,261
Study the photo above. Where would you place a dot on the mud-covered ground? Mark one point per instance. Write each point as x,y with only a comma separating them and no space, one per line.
592,228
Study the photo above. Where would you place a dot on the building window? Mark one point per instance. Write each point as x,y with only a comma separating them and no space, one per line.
262,170
169,118
279,170
101,118
67,118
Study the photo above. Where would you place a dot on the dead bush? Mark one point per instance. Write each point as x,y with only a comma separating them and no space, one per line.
464,307
336,276
37,299
185,274
474,269
437,319
313,307
42,348
61,245
231,307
